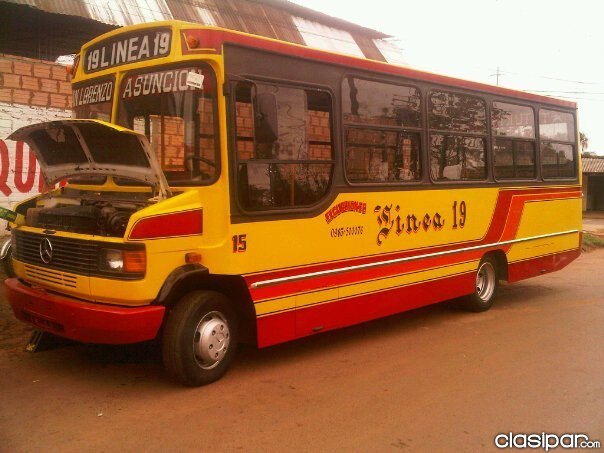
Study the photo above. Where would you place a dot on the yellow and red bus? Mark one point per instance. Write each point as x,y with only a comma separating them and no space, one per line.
224,187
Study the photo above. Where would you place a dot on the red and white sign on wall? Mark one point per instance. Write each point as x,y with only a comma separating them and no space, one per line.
20,176
31,91
19,171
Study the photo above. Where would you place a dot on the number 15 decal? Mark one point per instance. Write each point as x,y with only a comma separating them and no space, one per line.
239,243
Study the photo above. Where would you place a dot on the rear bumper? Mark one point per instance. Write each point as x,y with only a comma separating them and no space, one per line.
83,321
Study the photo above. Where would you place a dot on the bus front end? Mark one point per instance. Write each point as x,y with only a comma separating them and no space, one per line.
128,221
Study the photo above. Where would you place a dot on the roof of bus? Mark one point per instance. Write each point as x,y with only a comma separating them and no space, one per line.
219,36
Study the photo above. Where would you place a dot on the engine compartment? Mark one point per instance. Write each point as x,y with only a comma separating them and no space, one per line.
85,212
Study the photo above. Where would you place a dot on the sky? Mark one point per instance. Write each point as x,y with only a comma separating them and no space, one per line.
550,47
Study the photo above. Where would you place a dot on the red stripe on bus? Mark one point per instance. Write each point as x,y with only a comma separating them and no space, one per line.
504,226
185,223
533,267
347,312
285,326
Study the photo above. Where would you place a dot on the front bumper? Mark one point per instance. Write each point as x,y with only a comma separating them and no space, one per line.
83,321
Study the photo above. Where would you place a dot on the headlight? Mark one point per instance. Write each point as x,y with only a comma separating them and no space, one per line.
112,260
130,261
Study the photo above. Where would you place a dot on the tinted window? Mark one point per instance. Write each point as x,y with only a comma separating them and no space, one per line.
457,158
557,160
382,155
456,112
283,144
511,120
369,102
514,159
556,126
177,118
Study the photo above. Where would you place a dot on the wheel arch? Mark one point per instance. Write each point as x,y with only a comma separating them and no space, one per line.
195,277
501,262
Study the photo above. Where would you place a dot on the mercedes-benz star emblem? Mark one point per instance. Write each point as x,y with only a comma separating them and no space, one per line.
45,250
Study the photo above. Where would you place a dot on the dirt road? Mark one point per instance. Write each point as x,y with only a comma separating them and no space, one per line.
435,379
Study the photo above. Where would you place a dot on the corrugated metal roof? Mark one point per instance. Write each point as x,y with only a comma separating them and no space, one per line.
282,23
593,165
270,18
30,32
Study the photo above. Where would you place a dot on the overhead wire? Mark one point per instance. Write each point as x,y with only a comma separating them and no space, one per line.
112,10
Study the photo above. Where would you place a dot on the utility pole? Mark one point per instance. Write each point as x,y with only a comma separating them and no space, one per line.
497,74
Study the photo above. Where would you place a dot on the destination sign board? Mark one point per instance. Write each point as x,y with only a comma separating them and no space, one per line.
160,82
93,93
128,48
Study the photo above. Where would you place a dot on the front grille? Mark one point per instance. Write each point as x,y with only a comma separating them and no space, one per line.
51,276
74,256
70,255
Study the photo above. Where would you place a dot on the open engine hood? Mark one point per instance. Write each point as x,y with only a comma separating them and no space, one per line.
78,147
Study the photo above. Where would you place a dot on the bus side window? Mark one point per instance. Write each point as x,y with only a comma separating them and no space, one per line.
513,129
284,146
383,131
458,129
557,134
265,129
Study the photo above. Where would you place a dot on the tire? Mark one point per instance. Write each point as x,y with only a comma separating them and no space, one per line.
8,267
199,338
7,262
485,286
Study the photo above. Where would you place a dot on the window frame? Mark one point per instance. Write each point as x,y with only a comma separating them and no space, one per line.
420,130
236,161
486,136
534,140
197,127
573,144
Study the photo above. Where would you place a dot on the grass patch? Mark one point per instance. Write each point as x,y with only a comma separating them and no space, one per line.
591,242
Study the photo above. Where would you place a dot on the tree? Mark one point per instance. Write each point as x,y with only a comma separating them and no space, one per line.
584,141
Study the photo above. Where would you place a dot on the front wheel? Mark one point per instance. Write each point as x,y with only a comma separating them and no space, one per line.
199,338
485,287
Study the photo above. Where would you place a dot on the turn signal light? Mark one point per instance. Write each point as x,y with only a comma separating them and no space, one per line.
192,258
134,261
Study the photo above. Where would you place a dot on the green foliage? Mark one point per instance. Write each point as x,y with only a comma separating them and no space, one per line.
591,242
584,141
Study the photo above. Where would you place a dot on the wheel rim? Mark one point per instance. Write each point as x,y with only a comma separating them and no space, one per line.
211,340
485,281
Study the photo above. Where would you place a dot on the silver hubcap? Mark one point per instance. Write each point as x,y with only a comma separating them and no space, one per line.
485,281
211,341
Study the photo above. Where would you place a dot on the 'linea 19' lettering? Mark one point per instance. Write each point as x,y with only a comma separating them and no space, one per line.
128,50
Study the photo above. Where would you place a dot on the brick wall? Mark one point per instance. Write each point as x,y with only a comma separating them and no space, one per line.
35,83
31,91
317,130
168,139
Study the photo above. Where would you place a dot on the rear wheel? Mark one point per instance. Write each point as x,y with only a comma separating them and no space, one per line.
199,338
485,287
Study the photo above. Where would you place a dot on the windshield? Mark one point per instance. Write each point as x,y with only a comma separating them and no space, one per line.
93,100
175,107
